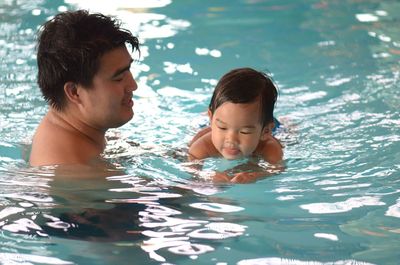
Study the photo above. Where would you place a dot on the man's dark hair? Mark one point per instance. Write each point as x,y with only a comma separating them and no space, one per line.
70,47
246,85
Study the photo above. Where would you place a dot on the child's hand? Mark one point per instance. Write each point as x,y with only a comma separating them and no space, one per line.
221,177
245,177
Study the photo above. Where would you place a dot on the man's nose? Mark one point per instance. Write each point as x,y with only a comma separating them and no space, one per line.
131,85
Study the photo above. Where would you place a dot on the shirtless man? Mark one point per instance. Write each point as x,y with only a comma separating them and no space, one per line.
84,75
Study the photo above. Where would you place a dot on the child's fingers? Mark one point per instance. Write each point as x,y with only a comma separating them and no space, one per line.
243,177
221,178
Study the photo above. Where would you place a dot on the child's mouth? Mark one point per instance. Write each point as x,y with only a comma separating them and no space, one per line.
231,151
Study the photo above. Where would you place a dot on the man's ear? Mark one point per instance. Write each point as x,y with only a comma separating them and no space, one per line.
71,92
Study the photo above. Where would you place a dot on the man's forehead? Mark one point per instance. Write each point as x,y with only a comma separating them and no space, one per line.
115,59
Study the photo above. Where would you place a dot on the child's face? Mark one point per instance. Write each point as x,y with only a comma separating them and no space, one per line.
236,129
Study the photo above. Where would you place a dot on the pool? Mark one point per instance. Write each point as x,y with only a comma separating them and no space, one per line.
337,201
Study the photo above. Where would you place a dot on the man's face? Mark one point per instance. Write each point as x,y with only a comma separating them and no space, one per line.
108,102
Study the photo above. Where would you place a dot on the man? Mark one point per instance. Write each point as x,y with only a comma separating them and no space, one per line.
83,73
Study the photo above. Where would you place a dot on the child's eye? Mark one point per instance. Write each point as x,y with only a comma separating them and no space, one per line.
222,128
246,132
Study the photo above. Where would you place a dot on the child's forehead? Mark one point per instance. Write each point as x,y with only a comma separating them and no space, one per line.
250,106
230,112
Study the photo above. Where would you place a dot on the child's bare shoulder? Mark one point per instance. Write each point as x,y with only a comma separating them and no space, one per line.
270,149
201,147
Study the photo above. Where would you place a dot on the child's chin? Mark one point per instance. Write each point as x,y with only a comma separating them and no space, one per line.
231,157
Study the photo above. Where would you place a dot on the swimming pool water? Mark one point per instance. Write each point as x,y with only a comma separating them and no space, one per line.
337,201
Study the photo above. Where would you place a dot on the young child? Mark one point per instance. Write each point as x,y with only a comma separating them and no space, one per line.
241,121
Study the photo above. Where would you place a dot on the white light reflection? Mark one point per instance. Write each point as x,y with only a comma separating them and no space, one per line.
36,12
381,13
216,207
171,68
212,82
62,9
218,230
25,204
136,17
326,43
343,206
59,225
39,198
176,92
280,261
175,234
394,210
312,96
117,4
22,225
336,81
19,258
191,249
288,197
367,17
380,55
352,186
327,236
205,51
153,221
145,90
10,211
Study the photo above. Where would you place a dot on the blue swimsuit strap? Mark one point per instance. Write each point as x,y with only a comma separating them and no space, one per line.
277,124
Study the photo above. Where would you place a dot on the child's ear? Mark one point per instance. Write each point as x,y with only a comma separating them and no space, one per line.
267,131
209,115
71,92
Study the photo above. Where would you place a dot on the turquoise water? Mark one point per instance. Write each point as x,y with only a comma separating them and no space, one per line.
336,202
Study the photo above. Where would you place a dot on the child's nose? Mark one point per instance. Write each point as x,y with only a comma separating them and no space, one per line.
231,136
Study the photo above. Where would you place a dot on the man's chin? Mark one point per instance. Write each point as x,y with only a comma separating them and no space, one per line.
122,121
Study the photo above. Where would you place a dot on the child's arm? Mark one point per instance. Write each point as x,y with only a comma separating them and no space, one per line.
201,147
252,171
248,177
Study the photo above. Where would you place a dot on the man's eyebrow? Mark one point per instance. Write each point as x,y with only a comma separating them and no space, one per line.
121,70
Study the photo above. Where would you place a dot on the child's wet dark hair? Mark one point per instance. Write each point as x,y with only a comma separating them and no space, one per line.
246,85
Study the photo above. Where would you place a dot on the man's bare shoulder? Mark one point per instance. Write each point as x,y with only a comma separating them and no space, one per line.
54,145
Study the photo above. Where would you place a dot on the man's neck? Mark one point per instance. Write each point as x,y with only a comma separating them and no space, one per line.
75,124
